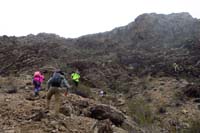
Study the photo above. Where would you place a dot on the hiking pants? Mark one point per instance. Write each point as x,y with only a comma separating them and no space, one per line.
56,91
37,87
36,91
75,83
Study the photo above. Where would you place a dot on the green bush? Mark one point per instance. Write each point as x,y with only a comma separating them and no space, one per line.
142,112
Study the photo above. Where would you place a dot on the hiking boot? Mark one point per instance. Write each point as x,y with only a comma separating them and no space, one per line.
36,94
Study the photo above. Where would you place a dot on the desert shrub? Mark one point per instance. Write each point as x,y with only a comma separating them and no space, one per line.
141,112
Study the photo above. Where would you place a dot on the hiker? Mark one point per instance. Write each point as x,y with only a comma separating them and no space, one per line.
54,87
75,77
38,78
176,67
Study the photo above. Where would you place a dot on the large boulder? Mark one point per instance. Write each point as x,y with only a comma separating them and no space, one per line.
102,112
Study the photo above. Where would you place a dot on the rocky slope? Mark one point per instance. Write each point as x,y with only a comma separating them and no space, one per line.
133,64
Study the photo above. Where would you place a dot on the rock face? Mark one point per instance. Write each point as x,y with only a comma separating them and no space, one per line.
154,30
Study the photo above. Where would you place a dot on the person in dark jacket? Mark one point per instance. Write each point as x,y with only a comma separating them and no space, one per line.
55,86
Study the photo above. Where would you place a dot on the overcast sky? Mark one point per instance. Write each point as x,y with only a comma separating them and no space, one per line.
73,18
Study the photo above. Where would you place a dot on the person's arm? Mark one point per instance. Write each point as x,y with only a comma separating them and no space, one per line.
66,84
49,83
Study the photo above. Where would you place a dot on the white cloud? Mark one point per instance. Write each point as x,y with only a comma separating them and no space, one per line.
73,18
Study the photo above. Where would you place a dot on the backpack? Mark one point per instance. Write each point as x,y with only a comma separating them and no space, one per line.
56,80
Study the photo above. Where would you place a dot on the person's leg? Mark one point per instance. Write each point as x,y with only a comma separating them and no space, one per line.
49,95
75,86
36,91
37,85
39,88
57,101
35,88
76,83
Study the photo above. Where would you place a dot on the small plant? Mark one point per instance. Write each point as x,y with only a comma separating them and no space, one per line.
139,110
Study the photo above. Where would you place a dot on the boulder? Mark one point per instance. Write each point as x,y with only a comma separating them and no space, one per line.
105,112
102,112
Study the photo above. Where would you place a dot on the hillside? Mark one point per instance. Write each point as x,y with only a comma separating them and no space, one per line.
133,64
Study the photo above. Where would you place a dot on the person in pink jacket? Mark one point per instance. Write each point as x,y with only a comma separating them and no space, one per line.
38,78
